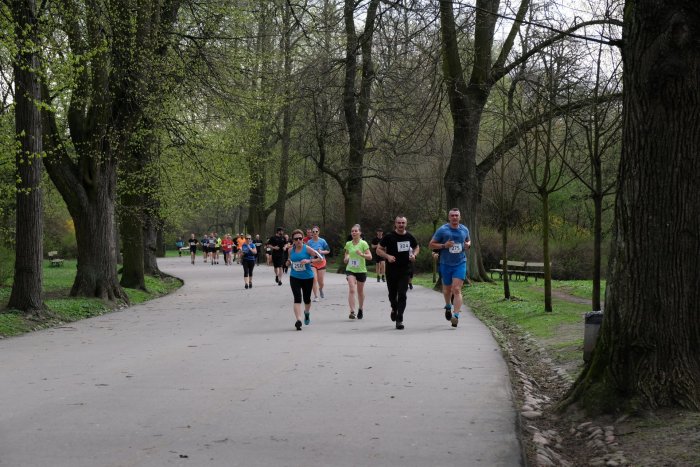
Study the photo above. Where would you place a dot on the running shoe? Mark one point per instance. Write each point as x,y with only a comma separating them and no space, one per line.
352,315
315,299
455,320
448,312
307,318
383,278
393,315
321,293
359,314
410,286
399,325
379,278
250,285
246,286
298,325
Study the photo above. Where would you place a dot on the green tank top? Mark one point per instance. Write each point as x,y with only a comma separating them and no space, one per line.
356,263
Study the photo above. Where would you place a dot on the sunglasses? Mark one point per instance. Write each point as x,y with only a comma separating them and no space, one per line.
297,238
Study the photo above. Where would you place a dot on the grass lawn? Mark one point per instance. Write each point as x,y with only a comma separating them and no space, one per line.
63,308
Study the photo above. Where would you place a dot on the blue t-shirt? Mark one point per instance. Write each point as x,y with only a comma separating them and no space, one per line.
455,255
296,269
248,254
318,245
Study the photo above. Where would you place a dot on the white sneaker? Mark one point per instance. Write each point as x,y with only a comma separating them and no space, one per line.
315,299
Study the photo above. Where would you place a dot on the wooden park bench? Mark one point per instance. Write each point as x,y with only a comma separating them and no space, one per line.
520,269
54,260
516,268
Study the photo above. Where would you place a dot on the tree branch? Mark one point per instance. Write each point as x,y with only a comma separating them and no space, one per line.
498,73
511,138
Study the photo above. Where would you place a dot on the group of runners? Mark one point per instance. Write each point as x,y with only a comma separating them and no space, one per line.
303,256
215,247
394,253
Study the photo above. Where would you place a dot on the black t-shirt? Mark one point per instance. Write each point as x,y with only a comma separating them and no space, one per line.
276,240
375,242
399,246
193,242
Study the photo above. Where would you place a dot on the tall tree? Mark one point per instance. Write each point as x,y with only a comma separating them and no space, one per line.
139,217
595,163
356,103
546,147
28,280
647,351
84,170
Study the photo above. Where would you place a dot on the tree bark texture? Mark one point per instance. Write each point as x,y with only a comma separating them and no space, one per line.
151,228
356,104
647,353
26,292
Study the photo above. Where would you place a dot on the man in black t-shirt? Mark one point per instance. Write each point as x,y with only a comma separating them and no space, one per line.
378,260
278,244
399,248
193,247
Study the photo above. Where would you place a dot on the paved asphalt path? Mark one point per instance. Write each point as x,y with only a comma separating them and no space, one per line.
215,375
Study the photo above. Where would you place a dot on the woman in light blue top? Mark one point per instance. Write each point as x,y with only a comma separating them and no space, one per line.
320,245
301,275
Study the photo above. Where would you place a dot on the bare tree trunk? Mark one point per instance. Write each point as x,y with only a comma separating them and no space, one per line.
150,244
131,230
545,252
26,292
356,104
597,251
506,279
94,231
647,351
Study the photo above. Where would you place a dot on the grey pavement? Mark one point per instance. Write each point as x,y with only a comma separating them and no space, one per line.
215,375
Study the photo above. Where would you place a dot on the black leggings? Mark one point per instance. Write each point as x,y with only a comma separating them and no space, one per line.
397,284
248,267
301,286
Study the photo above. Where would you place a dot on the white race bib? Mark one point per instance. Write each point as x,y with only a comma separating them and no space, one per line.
456,248
403,246
298,266
354,263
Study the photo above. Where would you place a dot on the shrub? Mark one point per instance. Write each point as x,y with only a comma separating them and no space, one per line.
572,259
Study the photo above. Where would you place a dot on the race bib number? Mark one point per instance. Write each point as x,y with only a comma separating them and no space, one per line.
298,266
354,263
456,248
403,246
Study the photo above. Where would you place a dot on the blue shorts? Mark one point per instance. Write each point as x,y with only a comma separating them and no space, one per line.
453,272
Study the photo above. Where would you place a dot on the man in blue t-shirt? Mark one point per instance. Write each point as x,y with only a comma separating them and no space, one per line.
452,241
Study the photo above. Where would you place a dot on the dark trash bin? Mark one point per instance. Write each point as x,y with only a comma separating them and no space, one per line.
590,335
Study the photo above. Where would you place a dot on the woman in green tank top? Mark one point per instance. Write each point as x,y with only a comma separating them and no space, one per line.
357,252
